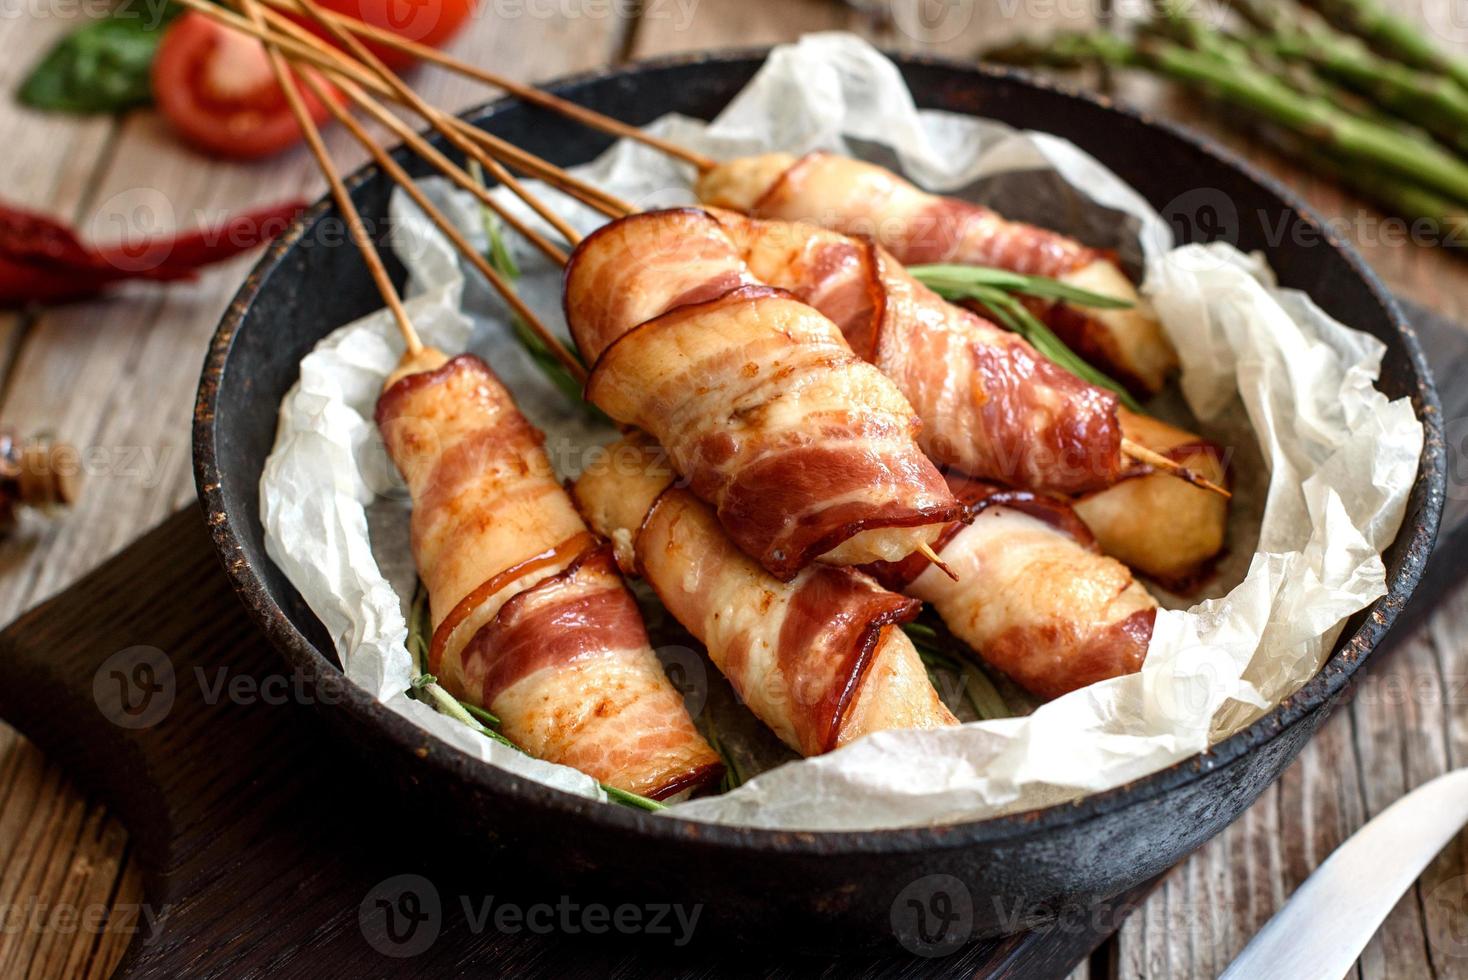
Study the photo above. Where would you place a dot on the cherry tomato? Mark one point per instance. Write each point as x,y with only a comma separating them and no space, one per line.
216,87
430,22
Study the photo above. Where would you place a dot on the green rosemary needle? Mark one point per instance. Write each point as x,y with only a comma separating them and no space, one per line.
996,289
427,689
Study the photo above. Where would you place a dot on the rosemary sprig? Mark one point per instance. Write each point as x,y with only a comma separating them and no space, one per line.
427,689
982,695
960,277
631,799
733,777
418,632
480,715
988,287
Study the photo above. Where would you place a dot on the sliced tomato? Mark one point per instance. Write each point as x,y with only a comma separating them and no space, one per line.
216,87
430,22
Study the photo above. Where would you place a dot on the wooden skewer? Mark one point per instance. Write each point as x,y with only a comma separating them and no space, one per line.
927,552
400,176
312,50
301,45
394,170
343,198
434,116
1142,454
453,171
319,54
592,196
344,68
529,93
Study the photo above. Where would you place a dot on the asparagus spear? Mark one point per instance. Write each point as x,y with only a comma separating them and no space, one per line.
1448,219
1400,197
1403,199
1433,101
1246,87
1393,36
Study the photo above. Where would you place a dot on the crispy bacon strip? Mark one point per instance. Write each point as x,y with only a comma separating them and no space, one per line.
804,450
819,658
860,198
531,620
991,406
1034,598
943,358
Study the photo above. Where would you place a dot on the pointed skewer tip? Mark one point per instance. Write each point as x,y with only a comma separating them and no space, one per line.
926,550
1144,455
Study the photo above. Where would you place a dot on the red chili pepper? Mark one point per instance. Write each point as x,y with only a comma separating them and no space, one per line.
42,260
240,233
25,235
37,282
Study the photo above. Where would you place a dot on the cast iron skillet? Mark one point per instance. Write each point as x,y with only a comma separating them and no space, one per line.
827,887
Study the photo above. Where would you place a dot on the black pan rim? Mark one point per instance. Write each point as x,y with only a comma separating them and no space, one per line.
1317,694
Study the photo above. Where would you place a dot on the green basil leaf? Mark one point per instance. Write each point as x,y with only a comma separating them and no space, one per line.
103,66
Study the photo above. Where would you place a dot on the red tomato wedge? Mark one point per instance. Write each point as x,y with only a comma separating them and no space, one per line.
216,87
430,22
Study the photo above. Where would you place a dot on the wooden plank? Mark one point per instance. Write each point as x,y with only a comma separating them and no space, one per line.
1390,740
48,156
731,23
953,29
117,376
275,887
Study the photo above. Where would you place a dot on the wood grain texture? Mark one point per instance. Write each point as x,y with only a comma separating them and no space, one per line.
284,886
117,376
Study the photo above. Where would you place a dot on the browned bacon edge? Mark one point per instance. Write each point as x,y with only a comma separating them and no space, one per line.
560,620
387,401
708,290
861,611
1118,649
1047,253
748,499
541,626
861,622
682,308
577,544
977,496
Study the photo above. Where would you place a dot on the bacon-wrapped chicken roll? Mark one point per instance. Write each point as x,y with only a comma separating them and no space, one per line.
531,619
804,450
1162,526
993,408
820,658
1034,598
917,227
990,404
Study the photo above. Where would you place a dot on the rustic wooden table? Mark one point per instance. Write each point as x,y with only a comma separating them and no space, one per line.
117,377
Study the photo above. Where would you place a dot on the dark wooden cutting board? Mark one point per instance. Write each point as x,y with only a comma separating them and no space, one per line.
265,850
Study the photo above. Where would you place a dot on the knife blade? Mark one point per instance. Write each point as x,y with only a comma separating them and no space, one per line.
1322,929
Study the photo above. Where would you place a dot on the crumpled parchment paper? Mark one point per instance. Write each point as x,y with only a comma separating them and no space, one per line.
1324,461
